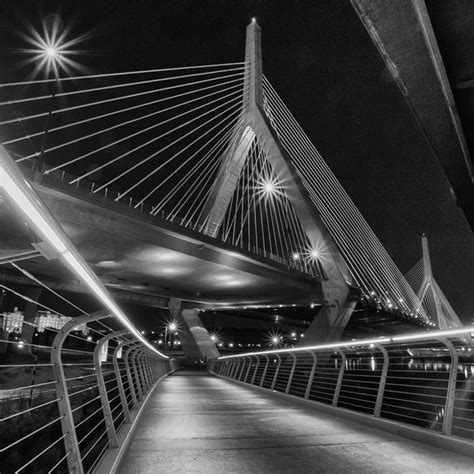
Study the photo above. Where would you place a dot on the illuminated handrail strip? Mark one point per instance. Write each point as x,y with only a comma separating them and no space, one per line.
364,342
22,194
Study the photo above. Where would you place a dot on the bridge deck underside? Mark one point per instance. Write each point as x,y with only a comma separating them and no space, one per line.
199,423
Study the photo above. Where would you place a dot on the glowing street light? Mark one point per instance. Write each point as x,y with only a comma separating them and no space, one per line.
52,52
296,256
171,327
269,187
314,254
52,46
274,338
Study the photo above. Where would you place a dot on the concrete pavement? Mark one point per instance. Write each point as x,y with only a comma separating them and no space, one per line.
199,423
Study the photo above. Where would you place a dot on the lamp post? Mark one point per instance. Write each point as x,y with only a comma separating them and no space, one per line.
53,55
172,327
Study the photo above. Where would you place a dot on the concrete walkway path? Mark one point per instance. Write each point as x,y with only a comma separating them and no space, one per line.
199,423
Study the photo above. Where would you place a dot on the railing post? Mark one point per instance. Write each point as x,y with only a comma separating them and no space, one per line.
136,373
248,369
128,369
451,392
141,370
383,381
104,399
276,372
255,371
235,369
232,363
239,367
144,364
311,376
264,370
139,362
337,391
239,376
290,378
68,427
151,368
118,375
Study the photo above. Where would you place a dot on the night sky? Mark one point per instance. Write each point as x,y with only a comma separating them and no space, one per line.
321,61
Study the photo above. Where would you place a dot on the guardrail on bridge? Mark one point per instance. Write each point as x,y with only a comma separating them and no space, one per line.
72,398
422,379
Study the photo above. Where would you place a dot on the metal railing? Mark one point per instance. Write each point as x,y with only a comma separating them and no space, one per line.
68,398
421,379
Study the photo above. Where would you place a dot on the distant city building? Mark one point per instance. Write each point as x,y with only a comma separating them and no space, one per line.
13,321
47,319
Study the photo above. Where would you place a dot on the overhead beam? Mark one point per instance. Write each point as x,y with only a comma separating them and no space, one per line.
74,286
403,34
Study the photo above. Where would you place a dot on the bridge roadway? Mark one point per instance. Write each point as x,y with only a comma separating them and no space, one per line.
196,422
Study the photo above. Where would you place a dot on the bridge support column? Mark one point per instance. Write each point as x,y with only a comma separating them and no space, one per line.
195,340
329,324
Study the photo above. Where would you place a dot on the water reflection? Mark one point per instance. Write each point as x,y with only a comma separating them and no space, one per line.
466,369
417,387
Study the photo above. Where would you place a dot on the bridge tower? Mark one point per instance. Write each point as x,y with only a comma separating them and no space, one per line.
255,127
431,295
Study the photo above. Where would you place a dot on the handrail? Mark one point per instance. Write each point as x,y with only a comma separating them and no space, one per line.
87,415
419,336
418,379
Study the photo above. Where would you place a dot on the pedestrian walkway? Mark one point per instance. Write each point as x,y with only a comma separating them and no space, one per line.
199,423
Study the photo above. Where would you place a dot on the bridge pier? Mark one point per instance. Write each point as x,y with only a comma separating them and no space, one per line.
195,340
329,324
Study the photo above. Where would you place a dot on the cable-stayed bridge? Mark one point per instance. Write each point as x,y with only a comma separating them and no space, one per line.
191,188
212,156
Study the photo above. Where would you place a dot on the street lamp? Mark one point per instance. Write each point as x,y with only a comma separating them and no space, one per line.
172,327
51,51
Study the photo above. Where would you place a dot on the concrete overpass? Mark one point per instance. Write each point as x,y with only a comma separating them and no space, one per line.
136,254
427,50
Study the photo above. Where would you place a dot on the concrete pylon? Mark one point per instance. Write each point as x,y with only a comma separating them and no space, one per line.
255,125
195,339
444,314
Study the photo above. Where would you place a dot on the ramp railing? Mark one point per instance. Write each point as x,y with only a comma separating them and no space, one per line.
71,396
423,379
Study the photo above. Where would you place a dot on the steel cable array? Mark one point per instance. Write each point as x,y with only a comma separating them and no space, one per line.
158,140
371,266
